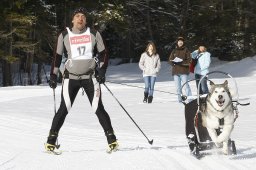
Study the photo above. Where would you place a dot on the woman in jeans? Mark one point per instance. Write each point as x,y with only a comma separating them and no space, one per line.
180,59
150,65
202,67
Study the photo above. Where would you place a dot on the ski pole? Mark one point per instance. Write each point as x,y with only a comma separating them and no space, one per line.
54,100
149,141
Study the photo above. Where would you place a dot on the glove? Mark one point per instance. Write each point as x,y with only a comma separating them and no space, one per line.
53,81
100,75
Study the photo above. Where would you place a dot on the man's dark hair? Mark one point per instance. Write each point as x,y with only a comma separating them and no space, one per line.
79,10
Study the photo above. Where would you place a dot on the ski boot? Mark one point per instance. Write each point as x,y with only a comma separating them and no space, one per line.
50,146
112,147
112,142
145,97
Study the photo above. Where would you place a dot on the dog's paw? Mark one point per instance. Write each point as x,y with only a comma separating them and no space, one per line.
218,145
225,148
225,151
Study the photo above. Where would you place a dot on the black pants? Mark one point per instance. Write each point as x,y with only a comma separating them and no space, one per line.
70,89
190,112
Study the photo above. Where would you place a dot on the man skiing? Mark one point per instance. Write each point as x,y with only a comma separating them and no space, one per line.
82,70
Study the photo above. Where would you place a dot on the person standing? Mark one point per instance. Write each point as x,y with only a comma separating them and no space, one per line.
203,61
82,70
180,59
150,65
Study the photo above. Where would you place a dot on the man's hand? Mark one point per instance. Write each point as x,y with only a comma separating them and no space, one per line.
100,75
53,81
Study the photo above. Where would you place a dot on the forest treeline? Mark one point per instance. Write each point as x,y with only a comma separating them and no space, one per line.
29,29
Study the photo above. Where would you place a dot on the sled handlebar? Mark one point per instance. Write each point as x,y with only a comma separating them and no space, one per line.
242,104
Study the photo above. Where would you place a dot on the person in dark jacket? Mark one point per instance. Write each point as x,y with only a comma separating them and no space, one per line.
82,70
180,59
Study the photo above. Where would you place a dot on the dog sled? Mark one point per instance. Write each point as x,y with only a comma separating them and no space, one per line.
197,134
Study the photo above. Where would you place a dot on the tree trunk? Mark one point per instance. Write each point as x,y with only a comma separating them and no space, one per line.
184,15
29,63
39,69
7,77
246,37
149,23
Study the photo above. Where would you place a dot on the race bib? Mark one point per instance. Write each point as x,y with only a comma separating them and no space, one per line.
80,45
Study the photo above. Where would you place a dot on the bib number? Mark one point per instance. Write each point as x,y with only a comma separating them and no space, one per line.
81,50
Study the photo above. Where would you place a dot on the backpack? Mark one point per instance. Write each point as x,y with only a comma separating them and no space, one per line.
194,63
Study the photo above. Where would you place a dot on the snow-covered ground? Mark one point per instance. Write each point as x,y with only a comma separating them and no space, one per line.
26,114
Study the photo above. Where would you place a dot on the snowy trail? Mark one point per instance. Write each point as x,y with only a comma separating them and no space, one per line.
27,112
24,132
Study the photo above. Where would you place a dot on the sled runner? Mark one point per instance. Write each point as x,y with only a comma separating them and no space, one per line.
196,131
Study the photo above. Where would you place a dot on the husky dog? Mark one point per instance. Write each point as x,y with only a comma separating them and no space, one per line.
218,107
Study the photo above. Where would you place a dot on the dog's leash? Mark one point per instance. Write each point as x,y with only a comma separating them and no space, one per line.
242,104
236,109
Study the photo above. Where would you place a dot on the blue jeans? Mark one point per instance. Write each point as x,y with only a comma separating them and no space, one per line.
149,84
177,80
203,85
